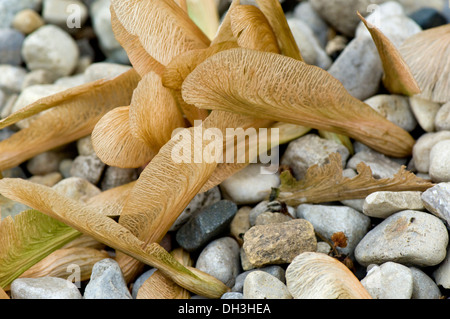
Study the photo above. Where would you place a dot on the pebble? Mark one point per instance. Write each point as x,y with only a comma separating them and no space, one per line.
27,21
389,281
68,14
77,188
240,224
356,203
310,48
250,185
422,149
408,237
395,108
45,163
49,179
38,77
428,18
106,282
11,78
309,150
104,70
51,48
271,218
9,8
424,287
89,167
382,204
442,273
220,258
262,207
381,165
437,201
117,176
278,243
84,146
10,46
140,280
274,270
207,224
305,12
329,219
44,288
359,68
440,162
442,119
261,285
200,201
425,112
65,166
232,295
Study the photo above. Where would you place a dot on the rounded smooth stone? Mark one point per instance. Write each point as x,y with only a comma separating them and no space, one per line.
27,21
51,48
89,167
442,119
232,295
220,258
423,146
77,188
389,281
140,280
10,46
328,220
106,282
408,237
440,162
71,14
383,204
11,78
274,270
261,285
425,112
424,287
44,288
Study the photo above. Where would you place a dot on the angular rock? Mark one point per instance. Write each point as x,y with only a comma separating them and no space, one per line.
278,243
200,201
389,281
424,287
250,185
309,150
107,282
261,285
437,201
220,258
395,108
384,204
9,8
408,237
207,224
328,220
440,162
44,288
89,167
51,48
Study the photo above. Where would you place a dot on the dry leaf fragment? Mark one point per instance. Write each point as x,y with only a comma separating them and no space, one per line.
111,201
63,262
77,112
3,294
106,230
274,13
252,30
272,86
114,143
314,275
141,60
397,77
154,113
428,54
339,239
163,28
326,183
224,34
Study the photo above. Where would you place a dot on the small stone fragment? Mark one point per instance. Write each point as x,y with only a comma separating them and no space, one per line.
437,201
384,204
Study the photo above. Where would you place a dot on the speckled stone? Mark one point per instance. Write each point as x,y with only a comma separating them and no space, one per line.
89,167
437,201
384,204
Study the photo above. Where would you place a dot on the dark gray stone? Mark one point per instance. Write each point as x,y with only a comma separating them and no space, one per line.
428,18
207,224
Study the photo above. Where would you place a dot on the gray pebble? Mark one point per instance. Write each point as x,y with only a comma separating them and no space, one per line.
11,78
356,203
89,167
106,282
261,285
389,281
140,280
207,224
304,12
117,176
424,287
328,220
274,270
51,48
437,201
232,295
44,288
9,8
77,188
10,46
384,204
220,258
408,237
309,150
381,165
